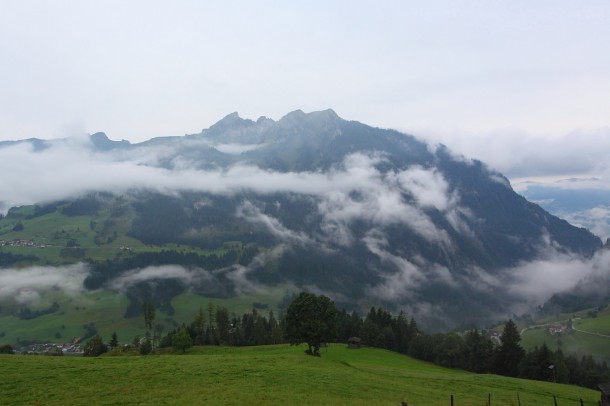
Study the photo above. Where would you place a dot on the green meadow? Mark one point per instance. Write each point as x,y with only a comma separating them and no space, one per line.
587,338
106,310
266,375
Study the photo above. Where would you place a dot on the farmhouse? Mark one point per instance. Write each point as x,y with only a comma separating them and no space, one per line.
556,329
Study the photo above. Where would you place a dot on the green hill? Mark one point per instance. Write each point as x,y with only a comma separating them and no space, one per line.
590,334
106,310
266,375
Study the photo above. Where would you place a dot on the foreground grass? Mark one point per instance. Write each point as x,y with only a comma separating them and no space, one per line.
266,375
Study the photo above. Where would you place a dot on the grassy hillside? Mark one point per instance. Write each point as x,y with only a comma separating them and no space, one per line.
59,238
107,309
267,375
591,334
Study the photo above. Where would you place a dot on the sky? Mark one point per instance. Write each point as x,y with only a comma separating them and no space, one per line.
522,85
442,69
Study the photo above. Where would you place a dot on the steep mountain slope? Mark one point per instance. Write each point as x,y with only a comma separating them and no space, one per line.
365,215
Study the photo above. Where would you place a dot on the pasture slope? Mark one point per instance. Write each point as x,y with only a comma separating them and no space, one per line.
590,334
267,375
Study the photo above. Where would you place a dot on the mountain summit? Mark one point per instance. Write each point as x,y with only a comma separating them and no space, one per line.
365,215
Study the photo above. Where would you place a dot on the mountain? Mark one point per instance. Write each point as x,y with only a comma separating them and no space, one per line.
365,215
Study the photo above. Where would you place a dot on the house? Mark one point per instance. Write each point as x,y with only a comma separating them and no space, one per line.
555,329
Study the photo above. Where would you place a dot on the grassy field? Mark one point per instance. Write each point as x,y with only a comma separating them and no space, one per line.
97,237
589,340
268,375
104,308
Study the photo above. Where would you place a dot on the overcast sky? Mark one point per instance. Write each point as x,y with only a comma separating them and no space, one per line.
477,75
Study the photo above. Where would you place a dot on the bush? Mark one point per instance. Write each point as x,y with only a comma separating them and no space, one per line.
94,347
146,347
6,349
181,340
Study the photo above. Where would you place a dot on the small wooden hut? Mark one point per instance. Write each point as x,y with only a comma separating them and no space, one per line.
354,342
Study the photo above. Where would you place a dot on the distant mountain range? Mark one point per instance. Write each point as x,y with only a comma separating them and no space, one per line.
365,215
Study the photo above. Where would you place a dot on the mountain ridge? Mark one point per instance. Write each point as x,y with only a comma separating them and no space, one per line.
363,214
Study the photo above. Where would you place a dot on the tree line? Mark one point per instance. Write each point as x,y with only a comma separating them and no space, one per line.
315,321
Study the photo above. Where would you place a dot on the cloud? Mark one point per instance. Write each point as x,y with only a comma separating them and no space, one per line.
596,220
363,192
406,276
236,149
186,276
519,154
253,214
238,274
516,290
403,277
27,285
428,187
355,189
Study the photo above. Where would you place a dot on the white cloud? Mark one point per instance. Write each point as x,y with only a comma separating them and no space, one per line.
427,186
154,273
523,156
253,214
403,277
355,189
27,285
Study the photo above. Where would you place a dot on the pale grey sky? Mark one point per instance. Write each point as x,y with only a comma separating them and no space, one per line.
473,74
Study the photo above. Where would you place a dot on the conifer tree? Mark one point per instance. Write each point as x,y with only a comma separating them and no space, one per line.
114,341
510,353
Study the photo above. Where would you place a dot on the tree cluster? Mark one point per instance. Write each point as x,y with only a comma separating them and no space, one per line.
216,326
475,351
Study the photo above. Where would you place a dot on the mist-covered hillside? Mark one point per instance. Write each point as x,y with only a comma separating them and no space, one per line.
365,215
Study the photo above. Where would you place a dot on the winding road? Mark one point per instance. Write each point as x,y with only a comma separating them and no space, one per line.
588,332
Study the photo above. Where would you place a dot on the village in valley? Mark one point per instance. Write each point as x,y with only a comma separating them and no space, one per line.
55,349
21,243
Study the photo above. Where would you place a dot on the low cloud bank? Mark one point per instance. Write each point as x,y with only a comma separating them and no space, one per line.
353,189
27,285
155,273
520,289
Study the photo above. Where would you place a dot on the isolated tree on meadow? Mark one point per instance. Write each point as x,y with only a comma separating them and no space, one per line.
181,340
311,319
